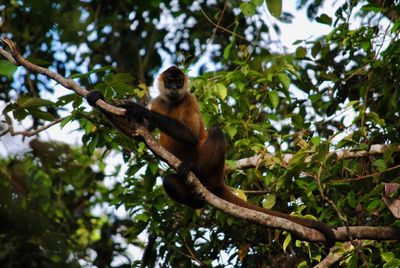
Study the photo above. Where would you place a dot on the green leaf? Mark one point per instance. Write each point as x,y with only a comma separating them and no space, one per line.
63,100
269,201
316,140
275,7
41,114
284,79
287,241
297,159
227,51
396,26
32,102
121,87
231,130
7,68
221,90
241,194
351,198
387,256
274,98
315,49
248,9
142,217
301,52
153,166
257,2
66,120
373,205
376,119
302,264
324,19
297,120
122,77
380,165
372,8
231,163
20,114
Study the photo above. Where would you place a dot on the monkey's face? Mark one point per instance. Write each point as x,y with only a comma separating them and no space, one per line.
173,84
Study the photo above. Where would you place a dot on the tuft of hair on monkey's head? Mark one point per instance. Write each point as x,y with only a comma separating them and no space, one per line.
173,84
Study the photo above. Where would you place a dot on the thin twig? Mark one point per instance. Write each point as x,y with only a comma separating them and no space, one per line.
365,176
222,28
33,132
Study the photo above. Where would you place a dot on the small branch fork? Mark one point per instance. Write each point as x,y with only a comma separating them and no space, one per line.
301,232
27,133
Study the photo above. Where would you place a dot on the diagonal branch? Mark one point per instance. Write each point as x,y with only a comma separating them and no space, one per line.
301,232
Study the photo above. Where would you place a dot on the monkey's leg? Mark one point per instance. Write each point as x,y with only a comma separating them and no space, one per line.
180,192
211,159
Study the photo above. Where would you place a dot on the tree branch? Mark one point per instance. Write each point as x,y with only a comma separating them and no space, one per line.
335,254
28,133
258,159
303,233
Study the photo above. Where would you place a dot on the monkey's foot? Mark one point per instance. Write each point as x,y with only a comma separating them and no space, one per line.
184,168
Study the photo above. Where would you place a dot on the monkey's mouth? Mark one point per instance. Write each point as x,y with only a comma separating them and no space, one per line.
173,95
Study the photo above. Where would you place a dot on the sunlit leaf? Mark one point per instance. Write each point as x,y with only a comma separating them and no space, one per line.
287,241
248,9
241,194
275,7
269,201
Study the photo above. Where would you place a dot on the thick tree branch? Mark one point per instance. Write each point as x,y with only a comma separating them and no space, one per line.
258,159
304,233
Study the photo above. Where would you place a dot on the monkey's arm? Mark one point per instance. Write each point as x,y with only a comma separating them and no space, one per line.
169,126
137,112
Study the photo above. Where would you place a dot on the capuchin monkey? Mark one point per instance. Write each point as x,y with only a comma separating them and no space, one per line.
175,112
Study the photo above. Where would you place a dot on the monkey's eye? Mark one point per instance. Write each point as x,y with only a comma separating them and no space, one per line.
172,83
179,83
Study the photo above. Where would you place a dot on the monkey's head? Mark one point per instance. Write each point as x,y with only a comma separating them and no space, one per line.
173,84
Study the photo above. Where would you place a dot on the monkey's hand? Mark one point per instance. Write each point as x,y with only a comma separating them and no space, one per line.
183,170
93,96
134,111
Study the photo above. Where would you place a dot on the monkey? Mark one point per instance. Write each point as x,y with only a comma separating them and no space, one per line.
175,112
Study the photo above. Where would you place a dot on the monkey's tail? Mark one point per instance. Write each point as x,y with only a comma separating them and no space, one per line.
327,231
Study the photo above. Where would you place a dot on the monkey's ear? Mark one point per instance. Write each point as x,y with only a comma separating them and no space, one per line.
94,96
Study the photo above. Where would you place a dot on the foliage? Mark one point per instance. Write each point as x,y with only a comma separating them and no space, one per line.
339,91
47,202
